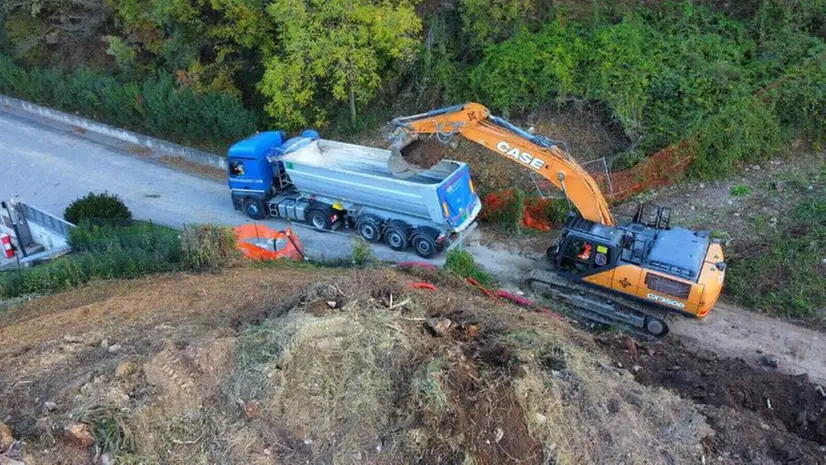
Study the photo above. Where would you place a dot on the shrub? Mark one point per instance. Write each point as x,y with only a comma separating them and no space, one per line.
101,251
93,206
461,262
209,247
505,209
362,253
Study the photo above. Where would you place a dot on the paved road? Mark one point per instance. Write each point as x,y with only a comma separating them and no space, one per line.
49,166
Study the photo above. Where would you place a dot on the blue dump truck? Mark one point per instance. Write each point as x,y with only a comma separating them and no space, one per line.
336,186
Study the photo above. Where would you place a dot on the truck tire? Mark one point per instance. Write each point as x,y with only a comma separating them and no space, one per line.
320,219
395,237
254,208
368,228
424,245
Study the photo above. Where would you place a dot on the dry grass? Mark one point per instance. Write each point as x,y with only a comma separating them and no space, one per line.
337,374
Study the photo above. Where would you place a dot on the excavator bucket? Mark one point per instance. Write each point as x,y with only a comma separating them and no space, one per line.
397,163
412,155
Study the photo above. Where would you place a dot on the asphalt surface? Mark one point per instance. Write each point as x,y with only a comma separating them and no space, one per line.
48,166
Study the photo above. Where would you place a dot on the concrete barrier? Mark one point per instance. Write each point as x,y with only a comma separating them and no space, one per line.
157,147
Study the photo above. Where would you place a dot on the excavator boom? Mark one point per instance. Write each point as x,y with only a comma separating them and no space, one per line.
475,123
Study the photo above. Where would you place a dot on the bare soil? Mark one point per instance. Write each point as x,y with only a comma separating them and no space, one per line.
734,332
587,131
760,415
317,366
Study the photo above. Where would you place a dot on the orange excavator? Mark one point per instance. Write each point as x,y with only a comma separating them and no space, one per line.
633,274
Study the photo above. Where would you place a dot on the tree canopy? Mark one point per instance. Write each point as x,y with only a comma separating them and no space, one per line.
334,50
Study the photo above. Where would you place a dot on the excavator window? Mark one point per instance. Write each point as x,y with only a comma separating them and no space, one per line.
577,257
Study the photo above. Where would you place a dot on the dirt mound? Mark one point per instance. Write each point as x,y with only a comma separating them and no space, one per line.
426,152
344,370
759,413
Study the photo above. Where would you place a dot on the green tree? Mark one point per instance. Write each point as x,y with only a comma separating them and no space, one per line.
347,47
485,21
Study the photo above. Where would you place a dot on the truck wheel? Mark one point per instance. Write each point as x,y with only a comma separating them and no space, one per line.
425,246
254,208
395,237
369,229
319,219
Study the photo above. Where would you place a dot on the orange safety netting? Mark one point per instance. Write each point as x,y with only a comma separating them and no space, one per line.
258,242
661,169
533,215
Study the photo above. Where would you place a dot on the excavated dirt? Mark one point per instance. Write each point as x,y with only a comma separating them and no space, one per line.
316,366
759,415
425,153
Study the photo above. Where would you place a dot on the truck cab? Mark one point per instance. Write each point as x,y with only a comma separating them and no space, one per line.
250,174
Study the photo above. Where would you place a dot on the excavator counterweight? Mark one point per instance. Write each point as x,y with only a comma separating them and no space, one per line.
634,274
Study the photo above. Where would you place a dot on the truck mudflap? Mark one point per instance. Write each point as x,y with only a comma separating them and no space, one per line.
458,237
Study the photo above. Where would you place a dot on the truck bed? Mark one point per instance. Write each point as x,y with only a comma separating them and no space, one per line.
359,175
361,160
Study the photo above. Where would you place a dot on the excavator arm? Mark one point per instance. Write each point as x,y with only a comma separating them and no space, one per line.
475,123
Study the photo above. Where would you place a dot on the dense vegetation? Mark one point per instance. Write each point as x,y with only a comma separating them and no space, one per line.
93,206
123,250
737,81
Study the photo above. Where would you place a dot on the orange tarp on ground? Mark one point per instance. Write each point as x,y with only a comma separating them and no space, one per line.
258,242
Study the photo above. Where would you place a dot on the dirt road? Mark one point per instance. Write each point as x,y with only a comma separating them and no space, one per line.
735,332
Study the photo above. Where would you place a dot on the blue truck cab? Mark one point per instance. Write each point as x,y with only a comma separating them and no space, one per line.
249,172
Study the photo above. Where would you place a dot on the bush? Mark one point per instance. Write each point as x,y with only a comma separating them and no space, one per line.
125,250
461,262
505,209
97,207
362,254
209,247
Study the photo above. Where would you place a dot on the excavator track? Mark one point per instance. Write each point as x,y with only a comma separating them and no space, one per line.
600,306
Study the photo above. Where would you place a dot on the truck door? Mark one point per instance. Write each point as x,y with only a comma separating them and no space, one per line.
248,176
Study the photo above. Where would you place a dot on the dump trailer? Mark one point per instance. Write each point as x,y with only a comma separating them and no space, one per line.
337,186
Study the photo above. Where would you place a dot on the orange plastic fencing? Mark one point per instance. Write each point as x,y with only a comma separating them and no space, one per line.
258,242
661,169
533,215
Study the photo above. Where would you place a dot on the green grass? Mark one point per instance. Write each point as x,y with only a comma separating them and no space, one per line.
427,385
123,250
461,262
785,276
740,190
